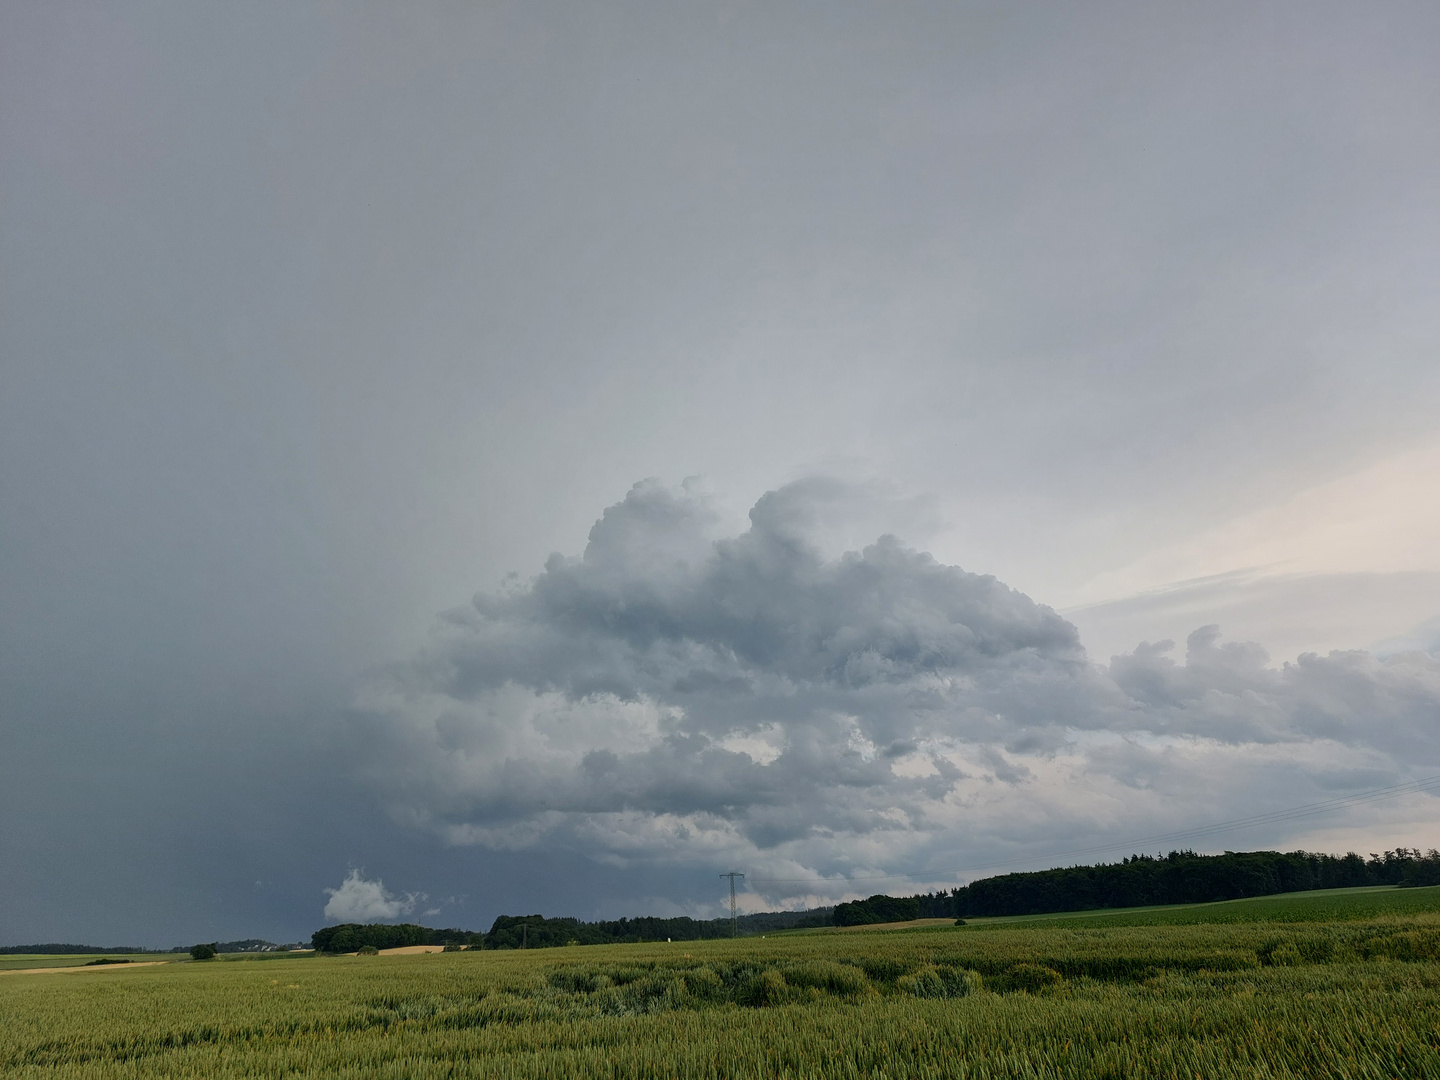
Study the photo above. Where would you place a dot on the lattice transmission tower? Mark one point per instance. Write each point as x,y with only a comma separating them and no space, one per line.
732,875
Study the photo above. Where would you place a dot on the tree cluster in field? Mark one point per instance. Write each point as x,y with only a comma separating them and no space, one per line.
1181,877
878,909
352,937
357,937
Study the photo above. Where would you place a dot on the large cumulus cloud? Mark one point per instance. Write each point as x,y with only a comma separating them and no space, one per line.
675,695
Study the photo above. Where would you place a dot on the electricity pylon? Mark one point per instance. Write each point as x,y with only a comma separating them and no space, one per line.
732,875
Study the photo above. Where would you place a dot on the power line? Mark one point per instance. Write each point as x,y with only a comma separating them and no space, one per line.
1294,813
734,922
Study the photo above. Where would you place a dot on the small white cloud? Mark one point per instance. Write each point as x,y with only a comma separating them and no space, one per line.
360,900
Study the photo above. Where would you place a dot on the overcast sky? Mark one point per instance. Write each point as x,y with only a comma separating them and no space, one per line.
473,459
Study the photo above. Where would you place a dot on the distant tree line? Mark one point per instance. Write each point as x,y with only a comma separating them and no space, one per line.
52,948
1181,877
351,937
539,932
242,946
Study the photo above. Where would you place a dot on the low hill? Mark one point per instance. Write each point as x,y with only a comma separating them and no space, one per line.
1181,877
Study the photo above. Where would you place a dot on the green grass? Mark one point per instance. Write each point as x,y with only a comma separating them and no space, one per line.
1355,995
1320,905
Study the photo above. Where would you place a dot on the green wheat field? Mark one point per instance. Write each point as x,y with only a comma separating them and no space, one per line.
1343,984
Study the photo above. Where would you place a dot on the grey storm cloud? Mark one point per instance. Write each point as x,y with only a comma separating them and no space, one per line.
674,695
316,317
